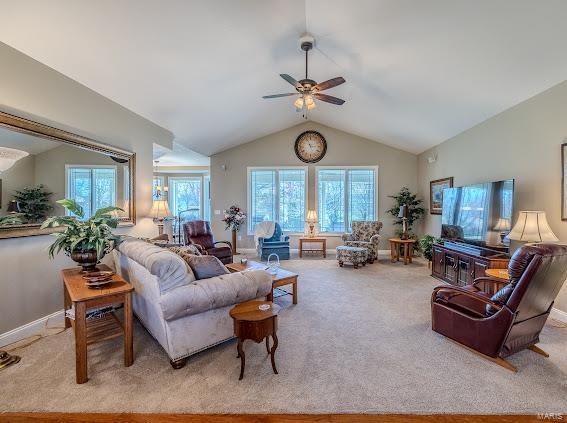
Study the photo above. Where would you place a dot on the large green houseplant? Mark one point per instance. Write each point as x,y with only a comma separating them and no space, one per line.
34,203
86,241
415,210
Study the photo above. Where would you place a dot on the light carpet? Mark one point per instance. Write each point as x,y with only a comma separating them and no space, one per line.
358,341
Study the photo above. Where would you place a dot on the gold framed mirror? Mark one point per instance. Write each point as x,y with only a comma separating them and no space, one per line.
40,164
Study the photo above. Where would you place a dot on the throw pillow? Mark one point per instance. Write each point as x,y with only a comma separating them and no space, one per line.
205,267
185,250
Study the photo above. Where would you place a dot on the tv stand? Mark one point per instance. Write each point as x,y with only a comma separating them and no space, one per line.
460,264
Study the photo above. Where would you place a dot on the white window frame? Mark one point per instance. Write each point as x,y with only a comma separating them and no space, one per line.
345,168
199,178
68,188
249,171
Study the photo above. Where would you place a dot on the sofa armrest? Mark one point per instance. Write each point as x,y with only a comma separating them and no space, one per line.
346,237
224,242
461,291
375,239
285,238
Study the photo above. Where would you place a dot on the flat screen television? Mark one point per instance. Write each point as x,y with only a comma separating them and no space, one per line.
479,214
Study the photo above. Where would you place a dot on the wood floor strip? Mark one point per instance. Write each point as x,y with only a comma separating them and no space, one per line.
261,418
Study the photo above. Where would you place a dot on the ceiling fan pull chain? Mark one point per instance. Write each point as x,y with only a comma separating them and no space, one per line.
306,61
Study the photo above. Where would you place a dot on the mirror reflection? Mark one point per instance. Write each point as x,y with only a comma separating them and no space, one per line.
35,172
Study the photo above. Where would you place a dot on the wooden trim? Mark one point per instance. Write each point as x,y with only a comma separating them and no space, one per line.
266,418
25,126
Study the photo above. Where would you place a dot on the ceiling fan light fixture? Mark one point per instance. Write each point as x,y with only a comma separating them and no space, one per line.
298,103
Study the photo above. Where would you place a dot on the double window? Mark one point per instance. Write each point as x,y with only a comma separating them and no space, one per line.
278,194
92,187
344,195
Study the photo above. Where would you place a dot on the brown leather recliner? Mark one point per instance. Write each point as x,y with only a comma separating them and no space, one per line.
513,317
198,233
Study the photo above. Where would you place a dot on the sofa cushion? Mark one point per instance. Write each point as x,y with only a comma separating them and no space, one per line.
170,269
207,294
205,267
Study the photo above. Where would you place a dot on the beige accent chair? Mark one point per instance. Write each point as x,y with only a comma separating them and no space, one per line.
365,233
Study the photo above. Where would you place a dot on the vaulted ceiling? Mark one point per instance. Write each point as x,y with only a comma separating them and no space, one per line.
418,72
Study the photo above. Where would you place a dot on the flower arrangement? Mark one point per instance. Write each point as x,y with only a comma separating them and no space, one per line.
234,218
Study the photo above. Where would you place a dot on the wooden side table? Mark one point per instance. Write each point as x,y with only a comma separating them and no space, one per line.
500,274
82,298
407,244
252,323
322,241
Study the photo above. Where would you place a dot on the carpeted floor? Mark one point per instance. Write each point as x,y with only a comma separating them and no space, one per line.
358,341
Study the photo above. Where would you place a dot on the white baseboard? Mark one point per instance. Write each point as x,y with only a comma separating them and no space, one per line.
33,328
558,315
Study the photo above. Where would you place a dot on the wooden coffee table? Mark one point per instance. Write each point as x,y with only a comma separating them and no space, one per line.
77,294
281,278
252,323
395,244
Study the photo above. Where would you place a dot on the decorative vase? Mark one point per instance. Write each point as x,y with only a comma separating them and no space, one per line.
86,259
234,252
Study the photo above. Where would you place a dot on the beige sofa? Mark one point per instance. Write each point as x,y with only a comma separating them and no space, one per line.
183,314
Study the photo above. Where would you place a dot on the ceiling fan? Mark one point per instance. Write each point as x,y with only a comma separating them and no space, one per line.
307,89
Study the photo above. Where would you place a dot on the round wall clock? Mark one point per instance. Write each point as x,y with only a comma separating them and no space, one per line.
310,147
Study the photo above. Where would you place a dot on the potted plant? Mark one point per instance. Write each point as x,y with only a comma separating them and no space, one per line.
414,212
34,203
426,247
233,219
85,241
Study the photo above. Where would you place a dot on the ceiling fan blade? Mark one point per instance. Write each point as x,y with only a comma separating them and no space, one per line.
292,81
329,84
329,99
279,95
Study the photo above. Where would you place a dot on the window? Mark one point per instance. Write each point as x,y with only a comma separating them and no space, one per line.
344,195
279,195
92,187
185,196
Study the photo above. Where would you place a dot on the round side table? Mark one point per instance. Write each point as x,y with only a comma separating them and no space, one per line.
252,323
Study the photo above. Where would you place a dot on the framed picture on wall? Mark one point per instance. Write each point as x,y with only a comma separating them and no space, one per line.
436,194
564,181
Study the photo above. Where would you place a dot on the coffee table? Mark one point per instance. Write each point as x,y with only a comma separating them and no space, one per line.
281,278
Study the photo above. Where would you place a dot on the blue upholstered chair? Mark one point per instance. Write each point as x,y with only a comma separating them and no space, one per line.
278,244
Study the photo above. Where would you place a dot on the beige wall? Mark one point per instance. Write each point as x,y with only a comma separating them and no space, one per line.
521,143
396,168
29,281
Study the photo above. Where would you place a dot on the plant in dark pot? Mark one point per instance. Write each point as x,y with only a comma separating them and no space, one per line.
426,247
86,241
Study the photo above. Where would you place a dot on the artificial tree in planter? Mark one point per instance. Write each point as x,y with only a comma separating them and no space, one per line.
426,247
34,203
85,241
415,211
234,218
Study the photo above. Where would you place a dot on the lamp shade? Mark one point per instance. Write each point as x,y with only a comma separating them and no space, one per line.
503,224
160,210
532,226
312,216
403,214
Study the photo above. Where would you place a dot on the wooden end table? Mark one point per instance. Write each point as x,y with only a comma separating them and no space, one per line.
281,278
77,294
252,323
322,241
500,274
407,244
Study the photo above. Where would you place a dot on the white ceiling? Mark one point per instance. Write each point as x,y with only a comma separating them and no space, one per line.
179,156
25,142
418,72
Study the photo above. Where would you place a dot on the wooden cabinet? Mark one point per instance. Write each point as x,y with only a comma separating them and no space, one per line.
462,265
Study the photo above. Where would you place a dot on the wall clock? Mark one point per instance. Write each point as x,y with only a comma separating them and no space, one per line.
310,146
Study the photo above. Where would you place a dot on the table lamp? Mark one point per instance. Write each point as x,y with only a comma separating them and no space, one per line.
502,226
403,214
13,207
160,212
532,226
311,220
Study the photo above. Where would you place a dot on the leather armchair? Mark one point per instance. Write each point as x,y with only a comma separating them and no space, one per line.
365,233
277,243
510,320
198,233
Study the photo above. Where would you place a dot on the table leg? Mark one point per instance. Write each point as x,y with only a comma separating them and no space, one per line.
242,359
294,288
268,344
81,342
270,296
411,253
128,331
325,248
300,248
406,250
273,352
392,253
66,305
